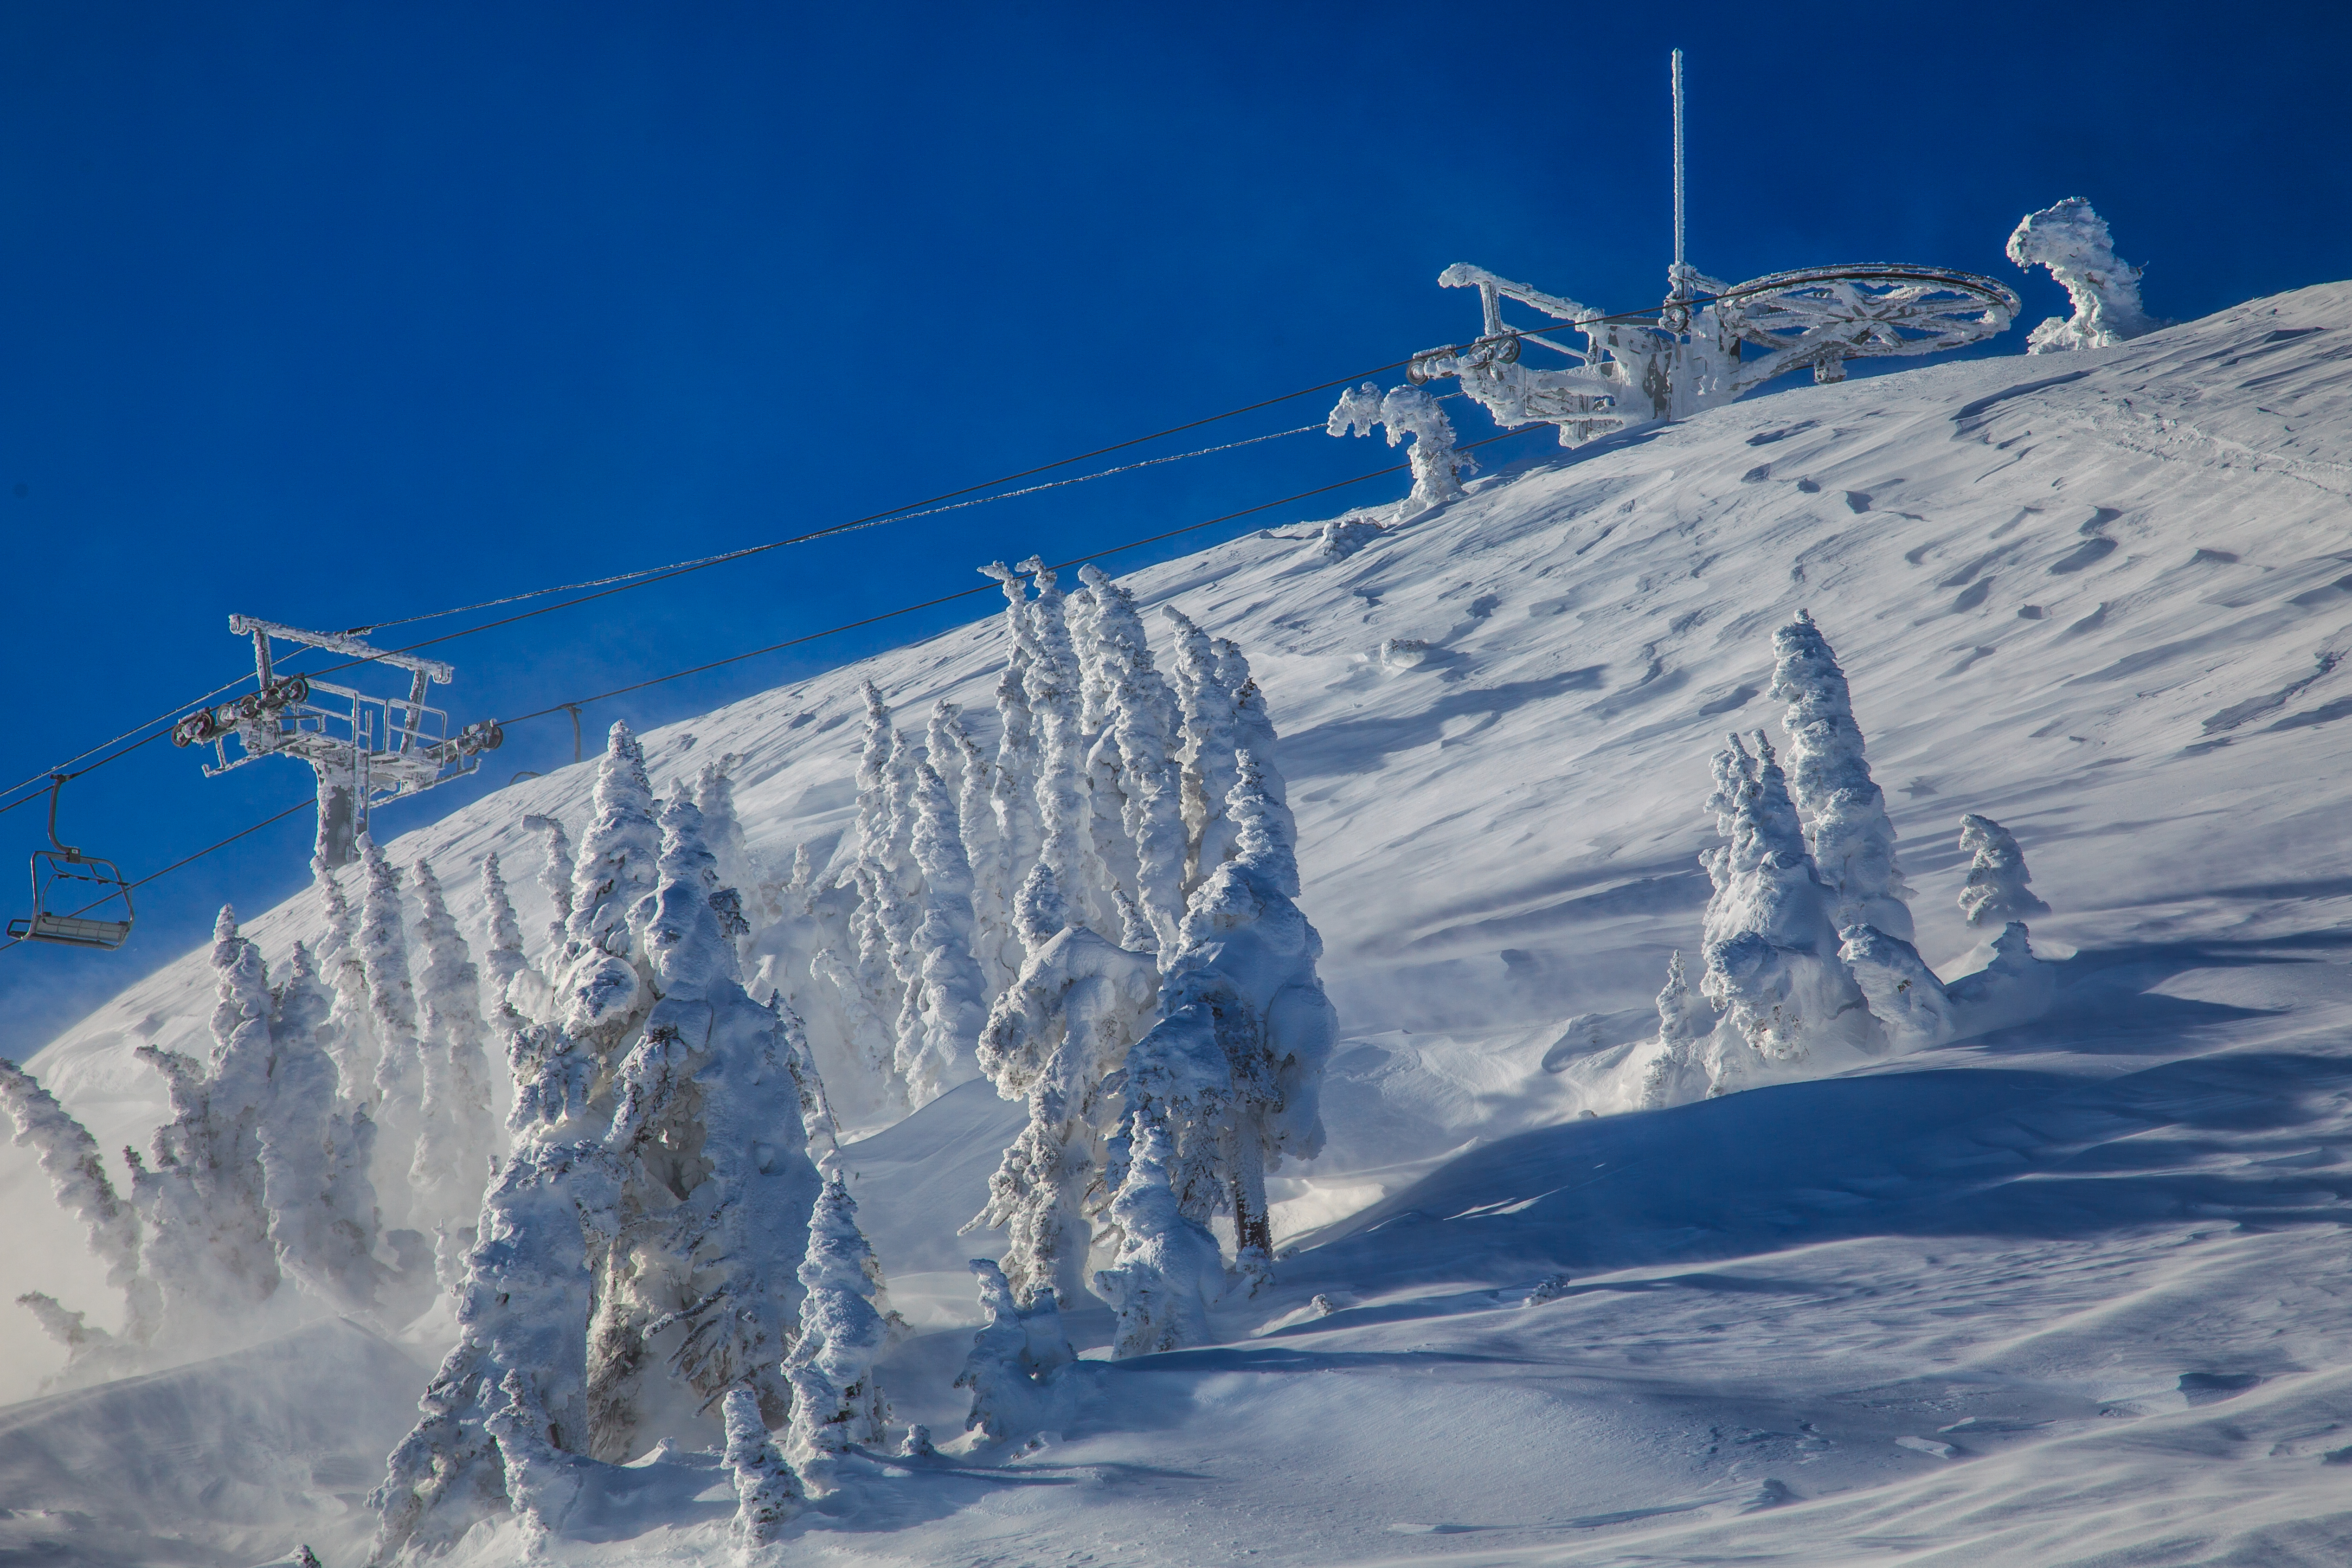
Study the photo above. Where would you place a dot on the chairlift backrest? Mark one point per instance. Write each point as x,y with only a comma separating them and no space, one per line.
68,886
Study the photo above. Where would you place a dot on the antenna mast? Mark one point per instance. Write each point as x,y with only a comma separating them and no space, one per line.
1678,174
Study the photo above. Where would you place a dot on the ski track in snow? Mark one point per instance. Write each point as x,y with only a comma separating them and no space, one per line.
2071,1293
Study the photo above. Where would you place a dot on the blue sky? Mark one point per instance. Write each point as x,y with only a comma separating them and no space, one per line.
332,313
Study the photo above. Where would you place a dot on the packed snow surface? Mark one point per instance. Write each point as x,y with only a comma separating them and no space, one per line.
2073,1291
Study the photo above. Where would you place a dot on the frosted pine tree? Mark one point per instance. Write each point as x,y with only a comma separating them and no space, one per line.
707,1122
1144,716
1053,1038
1209,745
1846,825
873,996
1684,1022
2071,240
345,972
205,1223
1083,610
392,1010
835,1401
1408,410
970,781
1244,973
314,1154
556,875
903,904
503,959
70,1158
1167,1271
937,1055
1017,1370
542,1483
1063,807
1996,889
767,1493
1254,731
458,1137
1012,792
546,1225
722,828
601,981
1904,994
1772,950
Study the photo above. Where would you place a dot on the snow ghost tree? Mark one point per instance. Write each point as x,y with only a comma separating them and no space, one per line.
315,1154
70,1158
716,1180
1904,994
556,876
1409,411
1143,718
1168,1271
936,1050
1243,976
1018,1369
1771,951
601,990
835,1401
1847,829
1055,1034
504,958
1996,889
1683,1022
2071,241
1211,743
767,1493
391,1009
1054,677
456,1140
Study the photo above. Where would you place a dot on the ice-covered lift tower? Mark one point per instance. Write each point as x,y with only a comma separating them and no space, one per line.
365,750
1711,341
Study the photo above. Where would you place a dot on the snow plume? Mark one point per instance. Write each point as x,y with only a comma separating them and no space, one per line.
1683,1022
504,955
1845,814
315,1154
1409,411
2072,242
1145,720
206,1225
835,1401
1771,951
70,1158
556,875
1996,889
547,1222
767,1493
601,990
954,996
1243,974
1064,1028
1063,808
458,1138
1168,1271
717,1183
1018,1369
1210,741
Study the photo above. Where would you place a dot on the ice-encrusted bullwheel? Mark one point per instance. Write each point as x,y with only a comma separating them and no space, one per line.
1824,315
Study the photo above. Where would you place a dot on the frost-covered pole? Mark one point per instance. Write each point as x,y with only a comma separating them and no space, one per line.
1678,175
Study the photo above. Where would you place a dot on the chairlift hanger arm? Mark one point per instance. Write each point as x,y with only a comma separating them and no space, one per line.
353,648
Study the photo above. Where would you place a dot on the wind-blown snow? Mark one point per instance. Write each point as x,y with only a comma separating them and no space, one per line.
2070,1290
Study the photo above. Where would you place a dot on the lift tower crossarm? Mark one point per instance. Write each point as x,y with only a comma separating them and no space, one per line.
431,669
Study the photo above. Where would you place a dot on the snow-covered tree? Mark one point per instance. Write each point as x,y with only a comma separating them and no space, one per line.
707,1124
556,875
1683,1022
601,990
1772,950
936,1053
1846,825
1904,994
1083,610
547,1222
1053,1036
1054,681
1253,730
1144,716
542,1483
2013,988
392,1011
767,1493
206,1226
1209,745
315,1154
1996,889
1013,791
457,1136
504,957
1168,1271
835,1401
1408,410
722,830
2072,242
1018,1369
345,972
70,1158
1244,974
974,782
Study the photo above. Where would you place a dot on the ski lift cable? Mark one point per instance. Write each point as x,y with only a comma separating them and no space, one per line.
811,637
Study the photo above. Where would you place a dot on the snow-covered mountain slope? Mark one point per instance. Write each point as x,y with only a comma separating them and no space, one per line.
2067,1291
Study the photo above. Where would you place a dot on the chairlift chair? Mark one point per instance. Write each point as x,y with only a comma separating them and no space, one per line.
68,885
